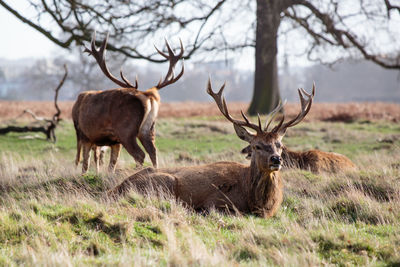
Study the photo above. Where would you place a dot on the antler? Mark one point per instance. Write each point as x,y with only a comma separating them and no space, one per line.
305,108
271,116
221,103
173,59
100,56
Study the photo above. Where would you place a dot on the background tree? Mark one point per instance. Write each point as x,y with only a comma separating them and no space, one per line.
359,28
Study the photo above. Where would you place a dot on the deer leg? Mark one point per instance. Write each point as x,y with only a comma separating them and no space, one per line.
86,157
96,150
148,144
135,151
115,150
101,157
78,152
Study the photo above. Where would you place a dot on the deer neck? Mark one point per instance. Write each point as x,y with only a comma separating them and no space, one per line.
153,94
265,191
151,104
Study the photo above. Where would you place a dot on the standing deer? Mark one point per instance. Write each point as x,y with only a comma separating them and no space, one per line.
119,116
253,189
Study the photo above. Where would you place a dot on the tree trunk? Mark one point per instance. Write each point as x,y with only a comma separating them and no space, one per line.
266,94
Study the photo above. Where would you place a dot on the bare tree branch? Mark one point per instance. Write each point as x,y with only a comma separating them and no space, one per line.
48,34
343,38
49,128
390,7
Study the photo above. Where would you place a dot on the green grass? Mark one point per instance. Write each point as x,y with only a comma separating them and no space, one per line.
51,215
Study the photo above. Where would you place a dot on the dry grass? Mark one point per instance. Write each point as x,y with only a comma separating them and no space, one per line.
347,112
325,219
50,215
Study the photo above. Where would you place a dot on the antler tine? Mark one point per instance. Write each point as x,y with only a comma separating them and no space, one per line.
182,49
173,59
127,81
160,52
244,116
277,127
259,122
100,56
221,104
102,49
305,108
271,116
87,50
170,51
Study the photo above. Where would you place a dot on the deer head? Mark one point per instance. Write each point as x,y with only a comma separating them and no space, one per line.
265,146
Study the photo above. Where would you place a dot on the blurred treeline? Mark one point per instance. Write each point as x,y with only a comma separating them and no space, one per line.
346,81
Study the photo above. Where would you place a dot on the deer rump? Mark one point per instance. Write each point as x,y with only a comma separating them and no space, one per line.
106,118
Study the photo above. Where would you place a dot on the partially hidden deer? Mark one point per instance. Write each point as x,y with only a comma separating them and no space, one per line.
119,116
231,186
317,161
313,160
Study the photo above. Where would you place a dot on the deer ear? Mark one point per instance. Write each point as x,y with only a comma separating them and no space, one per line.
243,133
247,150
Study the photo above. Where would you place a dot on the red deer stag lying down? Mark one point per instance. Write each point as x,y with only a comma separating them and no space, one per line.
119,116
253,189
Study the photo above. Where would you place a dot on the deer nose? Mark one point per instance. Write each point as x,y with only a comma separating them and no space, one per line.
276,159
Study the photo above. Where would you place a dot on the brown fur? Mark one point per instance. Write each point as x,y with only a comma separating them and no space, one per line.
224,185
317,161
119,116
111,118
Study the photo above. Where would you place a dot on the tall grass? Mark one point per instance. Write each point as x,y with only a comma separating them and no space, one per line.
50,215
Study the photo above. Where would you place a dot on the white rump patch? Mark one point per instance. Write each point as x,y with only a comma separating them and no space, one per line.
150,115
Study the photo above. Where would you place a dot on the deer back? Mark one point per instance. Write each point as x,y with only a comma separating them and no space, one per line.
104,117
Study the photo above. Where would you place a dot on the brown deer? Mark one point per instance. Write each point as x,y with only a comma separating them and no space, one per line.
231,186
317,161
313,160
119,116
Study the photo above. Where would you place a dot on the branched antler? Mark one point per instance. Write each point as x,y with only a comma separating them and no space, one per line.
221,103
306,102
173,59
100,56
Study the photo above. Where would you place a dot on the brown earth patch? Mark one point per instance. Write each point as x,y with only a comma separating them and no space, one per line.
346,112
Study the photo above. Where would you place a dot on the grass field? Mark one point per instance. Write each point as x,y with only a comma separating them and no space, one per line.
51,215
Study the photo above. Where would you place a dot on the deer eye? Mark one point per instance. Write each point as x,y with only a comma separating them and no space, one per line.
278,145
257,147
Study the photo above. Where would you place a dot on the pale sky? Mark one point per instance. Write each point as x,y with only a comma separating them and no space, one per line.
18,40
